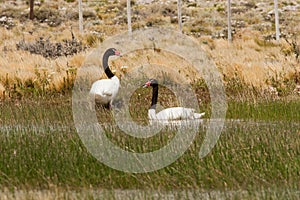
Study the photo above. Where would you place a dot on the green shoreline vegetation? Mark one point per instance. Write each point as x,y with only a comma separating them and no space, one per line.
40,149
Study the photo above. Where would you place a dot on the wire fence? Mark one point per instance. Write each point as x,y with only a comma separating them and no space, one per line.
179,7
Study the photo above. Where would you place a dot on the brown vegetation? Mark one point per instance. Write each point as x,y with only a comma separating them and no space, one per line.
254,57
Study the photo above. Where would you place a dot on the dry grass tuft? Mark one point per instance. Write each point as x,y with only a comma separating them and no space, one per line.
251,58
251,61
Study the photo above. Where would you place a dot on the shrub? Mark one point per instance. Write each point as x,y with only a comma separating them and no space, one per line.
92,40
52,50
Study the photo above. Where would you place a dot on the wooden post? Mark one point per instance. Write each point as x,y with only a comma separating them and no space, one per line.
31,14
129,17
229,20
276,20
80,16
179,15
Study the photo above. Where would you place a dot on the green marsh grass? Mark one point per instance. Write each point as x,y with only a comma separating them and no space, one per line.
278,110
40,149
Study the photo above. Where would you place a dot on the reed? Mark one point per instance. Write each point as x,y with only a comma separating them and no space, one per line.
42,151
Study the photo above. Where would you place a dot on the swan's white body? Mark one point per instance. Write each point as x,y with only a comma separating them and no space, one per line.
175,113
106,90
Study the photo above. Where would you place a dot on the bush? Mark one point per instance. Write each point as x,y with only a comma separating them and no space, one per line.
52,50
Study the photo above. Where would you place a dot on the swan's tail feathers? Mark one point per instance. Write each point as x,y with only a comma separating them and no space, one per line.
198,115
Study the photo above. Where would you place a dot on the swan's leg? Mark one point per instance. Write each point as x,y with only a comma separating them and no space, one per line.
110,105
107,106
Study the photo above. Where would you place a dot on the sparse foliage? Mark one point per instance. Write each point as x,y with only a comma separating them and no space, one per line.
52,50
294,46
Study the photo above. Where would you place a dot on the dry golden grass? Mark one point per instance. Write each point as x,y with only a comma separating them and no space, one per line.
173,65
252,62
249,57
24,66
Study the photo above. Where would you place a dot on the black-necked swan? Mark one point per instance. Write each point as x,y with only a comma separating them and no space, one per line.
105,90
168,114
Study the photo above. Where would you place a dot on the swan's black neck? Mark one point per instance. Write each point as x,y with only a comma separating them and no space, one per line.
154,96
107,71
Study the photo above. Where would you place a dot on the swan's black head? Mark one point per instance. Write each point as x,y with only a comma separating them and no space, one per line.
109,52
151,82
113,51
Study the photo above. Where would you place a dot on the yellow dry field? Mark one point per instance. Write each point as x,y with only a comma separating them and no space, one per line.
248,57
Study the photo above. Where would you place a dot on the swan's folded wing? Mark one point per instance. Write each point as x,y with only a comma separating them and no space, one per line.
175,113
102,87
106,92
102,92
198,115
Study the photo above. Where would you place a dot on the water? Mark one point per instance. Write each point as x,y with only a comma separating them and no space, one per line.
112,127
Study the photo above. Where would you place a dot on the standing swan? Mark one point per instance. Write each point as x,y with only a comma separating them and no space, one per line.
168,114
105,90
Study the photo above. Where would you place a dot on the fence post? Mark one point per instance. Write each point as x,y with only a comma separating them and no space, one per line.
179,15
276,19
229,21
80,16
31,14
129,17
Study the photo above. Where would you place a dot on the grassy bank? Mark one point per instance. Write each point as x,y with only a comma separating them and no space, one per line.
40,149
252,56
